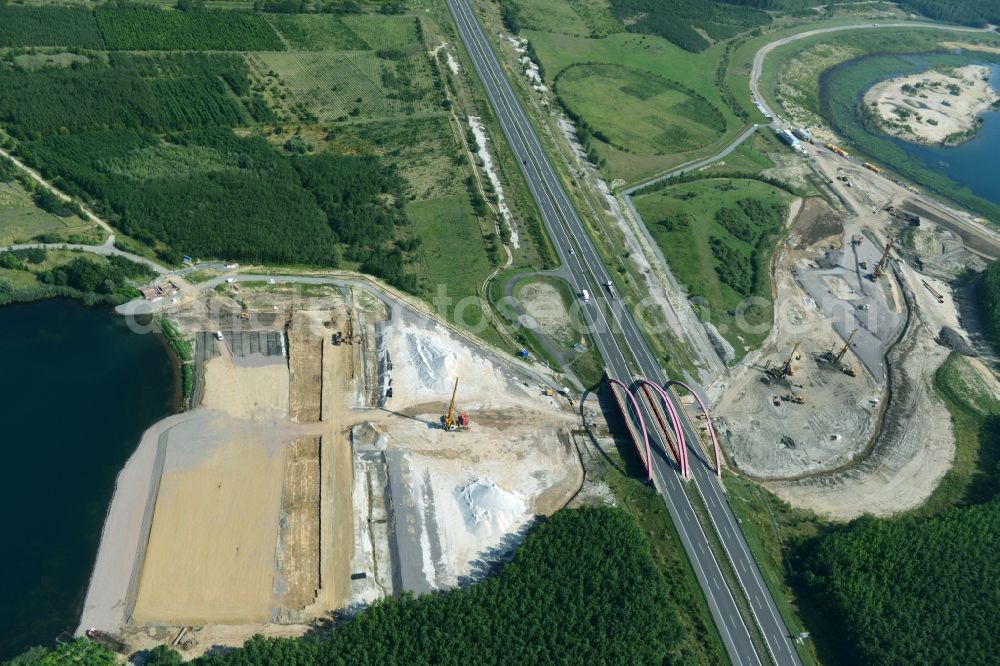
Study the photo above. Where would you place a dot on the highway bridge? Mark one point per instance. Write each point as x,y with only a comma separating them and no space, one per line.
628,359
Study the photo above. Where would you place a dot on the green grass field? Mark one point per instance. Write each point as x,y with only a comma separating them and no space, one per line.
650,115
21,220
682,219
423,149
452,256
384,32
341,85
972,404
316,32
644,55
556,17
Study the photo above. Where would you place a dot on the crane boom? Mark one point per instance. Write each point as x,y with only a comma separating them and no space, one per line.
840,355
880,267
787,371
451,421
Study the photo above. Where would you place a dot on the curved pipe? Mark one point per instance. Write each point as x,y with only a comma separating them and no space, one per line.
648,462
681,452
708,420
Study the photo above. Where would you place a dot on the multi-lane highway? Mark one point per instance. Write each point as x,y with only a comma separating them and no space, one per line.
627,356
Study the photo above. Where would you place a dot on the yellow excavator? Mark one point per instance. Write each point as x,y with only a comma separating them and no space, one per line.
452,422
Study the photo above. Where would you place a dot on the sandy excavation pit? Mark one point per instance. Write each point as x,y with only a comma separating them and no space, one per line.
312,477
879,442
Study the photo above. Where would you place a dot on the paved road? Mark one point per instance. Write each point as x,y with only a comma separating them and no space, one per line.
694,166
632,358
758,61
106,250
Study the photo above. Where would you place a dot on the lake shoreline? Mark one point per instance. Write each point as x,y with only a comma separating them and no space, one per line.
72,361
942,106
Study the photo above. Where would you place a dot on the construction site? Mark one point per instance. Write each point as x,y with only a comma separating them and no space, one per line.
837,411
340,446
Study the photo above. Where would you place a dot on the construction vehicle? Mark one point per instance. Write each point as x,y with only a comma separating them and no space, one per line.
836,149
786,369
546,391
450,421
348,338
796,398
871,167
880,266
245,315
843,350
849,370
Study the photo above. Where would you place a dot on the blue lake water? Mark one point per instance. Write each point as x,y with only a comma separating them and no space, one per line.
974,164
78,390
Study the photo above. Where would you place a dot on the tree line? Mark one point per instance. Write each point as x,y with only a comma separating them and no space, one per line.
990,302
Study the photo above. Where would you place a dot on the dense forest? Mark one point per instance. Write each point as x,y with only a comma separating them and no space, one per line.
582,589
147,140
680,20
966,12
136,27
48,25
181,91
141,27
241,200
911,590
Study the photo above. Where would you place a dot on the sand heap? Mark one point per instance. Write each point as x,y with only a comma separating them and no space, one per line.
933,106
434,364
489,510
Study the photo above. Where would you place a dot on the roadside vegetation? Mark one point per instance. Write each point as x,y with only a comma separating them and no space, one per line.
184,350
28,214
717,235
990,302
33,274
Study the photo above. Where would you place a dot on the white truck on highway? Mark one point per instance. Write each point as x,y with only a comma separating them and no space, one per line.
585,295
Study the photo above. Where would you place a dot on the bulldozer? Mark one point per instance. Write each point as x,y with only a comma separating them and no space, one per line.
451,421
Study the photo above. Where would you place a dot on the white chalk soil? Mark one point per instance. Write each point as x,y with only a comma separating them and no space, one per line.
463,498
491,173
